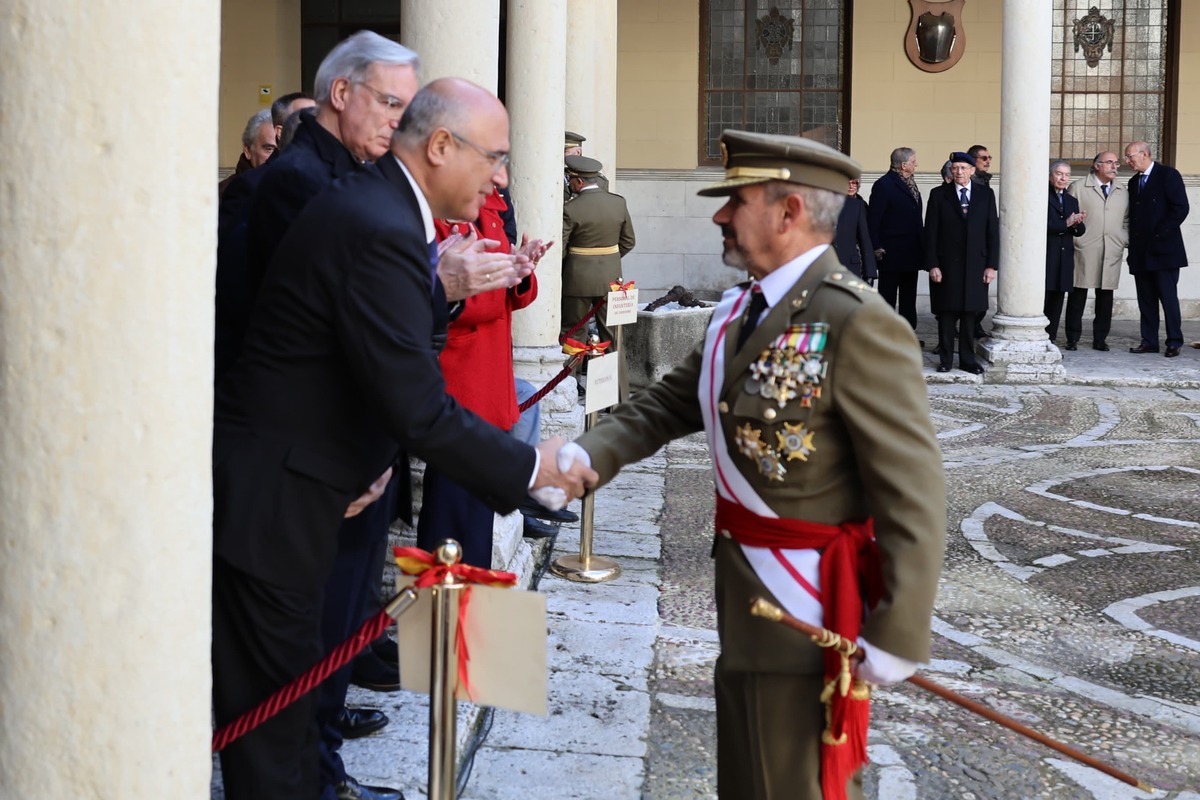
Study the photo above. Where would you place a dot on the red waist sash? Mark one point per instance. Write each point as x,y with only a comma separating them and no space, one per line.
851,578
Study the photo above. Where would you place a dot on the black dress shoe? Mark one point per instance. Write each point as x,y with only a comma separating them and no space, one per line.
371,672
1143,348
532,508
1071,346
974,369
1100,346
354,723
386,649
536,529
1171,352
351,789
943,367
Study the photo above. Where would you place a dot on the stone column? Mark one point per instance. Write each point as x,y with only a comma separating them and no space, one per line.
536,78
106,341
604,89
581,66
457,38
1019,350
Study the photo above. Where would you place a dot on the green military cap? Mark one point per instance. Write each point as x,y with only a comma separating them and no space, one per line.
760,157
573,139
583,167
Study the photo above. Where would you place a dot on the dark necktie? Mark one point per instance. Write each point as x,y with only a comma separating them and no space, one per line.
1142,181
1104,189
966,204
433,261
758,304
1060,200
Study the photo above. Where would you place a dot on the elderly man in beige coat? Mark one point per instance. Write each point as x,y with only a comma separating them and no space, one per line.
1100,251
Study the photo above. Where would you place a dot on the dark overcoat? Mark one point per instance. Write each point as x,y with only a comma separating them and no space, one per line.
1156,214
852,239
339,379
962,247
1060,245
894,221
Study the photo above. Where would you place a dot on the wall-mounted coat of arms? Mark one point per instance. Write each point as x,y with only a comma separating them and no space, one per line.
1093,33
936,39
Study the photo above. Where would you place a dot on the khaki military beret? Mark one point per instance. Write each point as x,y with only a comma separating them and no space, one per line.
582,166
760,157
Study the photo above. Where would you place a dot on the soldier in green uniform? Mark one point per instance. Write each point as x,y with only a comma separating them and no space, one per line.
830,490
597,232
573,146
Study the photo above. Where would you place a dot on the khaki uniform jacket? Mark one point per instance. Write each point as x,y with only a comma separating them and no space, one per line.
594,218
874,454
1100,252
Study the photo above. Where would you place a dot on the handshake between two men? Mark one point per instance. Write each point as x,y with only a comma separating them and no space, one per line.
563,473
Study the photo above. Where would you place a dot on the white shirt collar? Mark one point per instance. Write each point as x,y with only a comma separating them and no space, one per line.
1146,171
422,203
776,285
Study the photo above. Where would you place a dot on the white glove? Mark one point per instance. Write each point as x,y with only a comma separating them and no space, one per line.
553,497
569,453
881,667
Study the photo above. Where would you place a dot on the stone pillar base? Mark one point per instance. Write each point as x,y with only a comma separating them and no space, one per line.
562,412
1019,352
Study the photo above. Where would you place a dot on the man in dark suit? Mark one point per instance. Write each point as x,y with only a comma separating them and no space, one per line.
852,237
1064,222
962,249
339,380
1158,205
894,220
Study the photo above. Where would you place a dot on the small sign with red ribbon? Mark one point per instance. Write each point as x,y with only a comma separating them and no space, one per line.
622,306
500,644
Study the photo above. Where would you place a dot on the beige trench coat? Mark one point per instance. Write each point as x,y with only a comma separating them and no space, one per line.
1100,252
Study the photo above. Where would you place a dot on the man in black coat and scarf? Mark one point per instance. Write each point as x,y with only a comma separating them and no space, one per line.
962,249
1064,223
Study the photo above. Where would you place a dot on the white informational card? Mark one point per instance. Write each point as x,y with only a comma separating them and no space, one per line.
602,388
505,633
622,308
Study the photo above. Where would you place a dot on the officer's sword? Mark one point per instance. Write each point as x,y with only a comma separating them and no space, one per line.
826,638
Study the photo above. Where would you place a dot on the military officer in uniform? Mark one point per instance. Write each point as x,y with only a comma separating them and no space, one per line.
810,390
597,232
573,146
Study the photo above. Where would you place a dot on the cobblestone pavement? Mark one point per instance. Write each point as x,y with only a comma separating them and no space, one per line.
1070,600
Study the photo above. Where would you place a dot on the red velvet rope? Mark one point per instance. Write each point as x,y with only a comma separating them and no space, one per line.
555,381
591,313
302,685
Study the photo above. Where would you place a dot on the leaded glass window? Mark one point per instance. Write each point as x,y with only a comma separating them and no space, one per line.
773,66
1111,76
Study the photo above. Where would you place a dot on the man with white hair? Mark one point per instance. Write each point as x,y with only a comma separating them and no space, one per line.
258,143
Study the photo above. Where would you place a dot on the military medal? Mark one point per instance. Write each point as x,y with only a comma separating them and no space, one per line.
791,368
795,441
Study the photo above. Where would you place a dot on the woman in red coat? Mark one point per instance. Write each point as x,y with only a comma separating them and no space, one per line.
477,365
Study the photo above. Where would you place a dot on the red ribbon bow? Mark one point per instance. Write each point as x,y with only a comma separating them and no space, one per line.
574,346
430,572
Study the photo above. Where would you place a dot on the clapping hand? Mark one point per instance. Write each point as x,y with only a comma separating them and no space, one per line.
466,267
533,250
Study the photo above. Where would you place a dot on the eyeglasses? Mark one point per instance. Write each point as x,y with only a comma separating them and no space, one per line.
394,105
1132,156
982,157
498,160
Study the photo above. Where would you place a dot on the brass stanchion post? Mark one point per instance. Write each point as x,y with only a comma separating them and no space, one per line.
586,568
443,679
